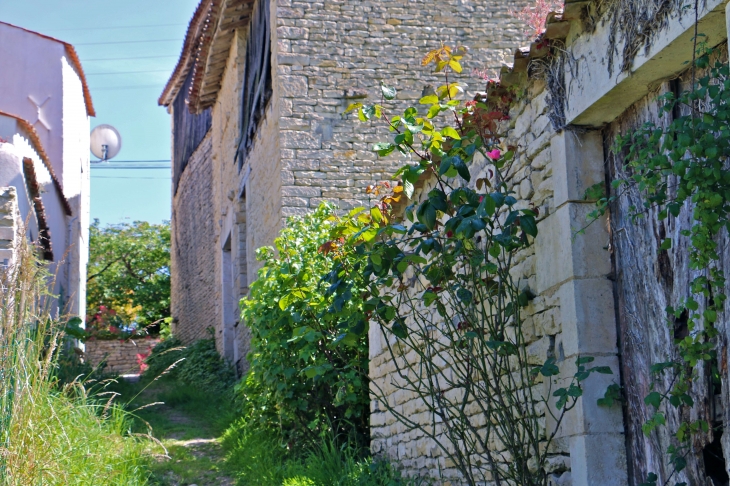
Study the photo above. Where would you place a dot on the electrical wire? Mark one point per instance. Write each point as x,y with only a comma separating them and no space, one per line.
158,86
130,58
136,178
129,72
125,42
117,27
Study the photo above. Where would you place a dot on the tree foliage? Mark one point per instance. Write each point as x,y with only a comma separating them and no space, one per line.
309,357
129,272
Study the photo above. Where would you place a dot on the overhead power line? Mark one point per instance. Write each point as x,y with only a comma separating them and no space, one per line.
125,42
158,86
138,161
117,27
128,72
129,58
125,177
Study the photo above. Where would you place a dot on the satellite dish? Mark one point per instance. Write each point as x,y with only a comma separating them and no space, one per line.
105,142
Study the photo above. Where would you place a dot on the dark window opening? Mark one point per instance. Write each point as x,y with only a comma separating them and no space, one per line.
188,130
257,79
715,466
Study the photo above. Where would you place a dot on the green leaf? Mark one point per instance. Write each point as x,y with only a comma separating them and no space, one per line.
654,399
426,214
399,329
464,295
383,149
354,106
528,225
549,368
376,214
429,99
461,168
388,92
604,370
433,111
451,133
612,395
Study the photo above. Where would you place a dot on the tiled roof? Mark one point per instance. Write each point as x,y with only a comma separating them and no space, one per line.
205,50
74,59
38,146
190,51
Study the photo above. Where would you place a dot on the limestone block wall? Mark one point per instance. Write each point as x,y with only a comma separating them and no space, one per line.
251,189
194,290
121,357
332,54
8,218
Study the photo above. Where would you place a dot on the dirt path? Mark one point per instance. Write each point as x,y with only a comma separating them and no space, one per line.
194,453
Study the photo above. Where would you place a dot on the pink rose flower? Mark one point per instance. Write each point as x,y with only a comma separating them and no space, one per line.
494,154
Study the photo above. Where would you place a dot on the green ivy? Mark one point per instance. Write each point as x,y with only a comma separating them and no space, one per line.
685,164
309,355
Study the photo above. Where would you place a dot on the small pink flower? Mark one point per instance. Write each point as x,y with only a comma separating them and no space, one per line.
494,154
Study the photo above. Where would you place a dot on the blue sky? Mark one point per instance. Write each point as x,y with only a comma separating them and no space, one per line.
128,49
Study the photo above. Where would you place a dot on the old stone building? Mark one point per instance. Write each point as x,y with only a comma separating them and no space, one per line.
600,294
258,132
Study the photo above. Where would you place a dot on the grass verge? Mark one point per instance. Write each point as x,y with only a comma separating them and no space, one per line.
51,435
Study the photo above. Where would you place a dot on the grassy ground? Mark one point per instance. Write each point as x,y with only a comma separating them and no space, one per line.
188,423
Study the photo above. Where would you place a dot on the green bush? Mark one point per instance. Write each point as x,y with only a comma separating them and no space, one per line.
309,357
197,365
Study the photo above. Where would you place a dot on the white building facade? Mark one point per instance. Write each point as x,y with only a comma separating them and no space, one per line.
45,106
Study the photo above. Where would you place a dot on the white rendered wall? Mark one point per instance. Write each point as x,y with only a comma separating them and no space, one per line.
45,90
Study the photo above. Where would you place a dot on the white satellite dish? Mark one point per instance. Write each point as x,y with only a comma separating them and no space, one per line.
106,142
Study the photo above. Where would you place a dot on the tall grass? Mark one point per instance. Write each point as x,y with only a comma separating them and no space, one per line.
52,436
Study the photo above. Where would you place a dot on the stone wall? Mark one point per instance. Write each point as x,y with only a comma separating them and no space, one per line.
120,357
8,218
332,53
531,177
193,286
572,313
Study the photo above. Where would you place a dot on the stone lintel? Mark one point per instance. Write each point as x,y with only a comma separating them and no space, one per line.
597,97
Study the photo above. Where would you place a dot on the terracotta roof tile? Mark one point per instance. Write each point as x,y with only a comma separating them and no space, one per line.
210,33
189,53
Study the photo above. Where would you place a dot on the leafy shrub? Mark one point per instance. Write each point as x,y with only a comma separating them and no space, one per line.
309,357
163,356
198,365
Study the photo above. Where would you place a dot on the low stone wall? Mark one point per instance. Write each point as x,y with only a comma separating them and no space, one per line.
120,356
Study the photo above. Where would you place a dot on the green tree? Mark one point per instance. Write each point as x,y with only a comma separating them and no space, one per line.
129,272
